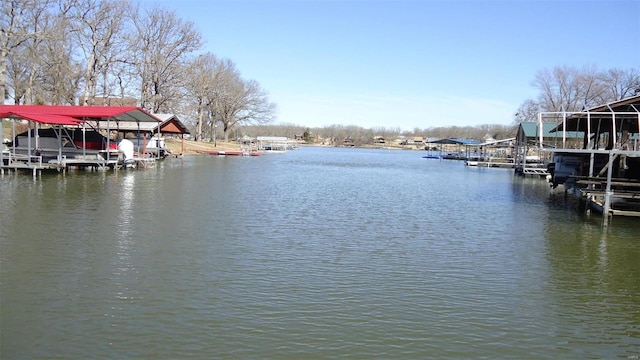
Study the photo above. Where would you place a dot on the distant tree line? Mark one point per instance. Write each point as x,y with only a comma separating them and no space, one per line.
88,52
359,136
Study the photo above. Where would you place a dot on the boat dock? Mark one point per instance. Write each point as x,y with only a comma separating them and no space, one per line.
619,199
35,165
491,162
532,170
596,156
60,138
275,144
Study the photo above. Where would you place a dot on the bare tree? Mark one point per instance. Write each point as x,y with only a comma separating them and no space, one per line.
97,25
196,86
589,87
43,69
19,23
528,111
242,103
116,73
620,84
61,68
17,75
220,95
209,78
120,81
162,41
572,89
567,89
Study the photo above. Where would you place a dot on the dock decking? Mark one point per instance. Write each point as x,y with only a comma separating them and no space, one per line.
36,166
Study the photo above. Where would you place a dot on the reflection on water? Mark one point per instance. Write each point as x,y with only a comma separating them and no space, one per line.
123,264
313,253
594,270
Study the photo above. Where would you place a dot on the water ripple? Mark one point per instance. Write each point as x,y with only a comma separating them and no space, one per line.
319,253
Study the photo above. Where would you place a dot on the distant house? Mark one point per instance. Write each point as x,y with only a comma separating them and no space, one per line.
378,140
111,101
348,142
307,137
417,140
414,140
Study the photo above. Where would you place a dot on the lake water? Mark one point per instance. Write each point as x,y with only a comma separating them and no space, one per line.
316,253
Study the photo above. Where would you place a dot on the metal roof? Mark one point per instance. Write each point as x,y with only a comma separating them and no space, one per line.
133,126
506,142
272,138
40,118
530,130
82,113
170,124
456,141
630,104
600,118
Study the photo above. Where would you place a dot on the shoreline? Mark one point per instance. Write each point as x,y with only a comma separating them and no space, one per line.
192,147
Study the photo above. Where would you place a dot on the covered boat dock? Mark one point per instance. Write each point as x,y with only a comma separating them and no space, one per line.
603,166
147,136
531,139
37,155
453,149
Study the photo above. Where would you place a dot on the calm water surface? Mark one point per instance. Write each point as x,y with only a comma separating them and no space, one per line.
316,253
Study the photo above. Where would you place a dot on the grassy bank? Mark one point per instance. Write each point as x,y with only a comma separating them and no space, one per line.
198,147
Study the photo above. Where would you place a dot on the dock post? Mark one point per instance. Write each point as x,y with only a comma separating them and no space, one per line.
607,193
606,208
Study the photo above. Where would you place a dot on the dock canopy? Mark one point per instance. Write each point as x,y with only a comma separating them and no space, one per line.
64,115
170,125
467,142
530,131
41,118
600,118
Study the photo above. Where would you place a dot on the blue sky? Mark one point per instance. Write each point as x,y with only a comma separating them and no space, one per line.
410,63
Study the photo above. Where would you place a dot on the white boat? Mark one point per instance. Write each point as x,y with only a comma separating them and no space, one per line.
154,146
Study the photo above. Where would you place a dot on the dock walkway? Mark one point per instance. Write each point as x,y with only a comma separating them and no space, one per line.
35,165
532,170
